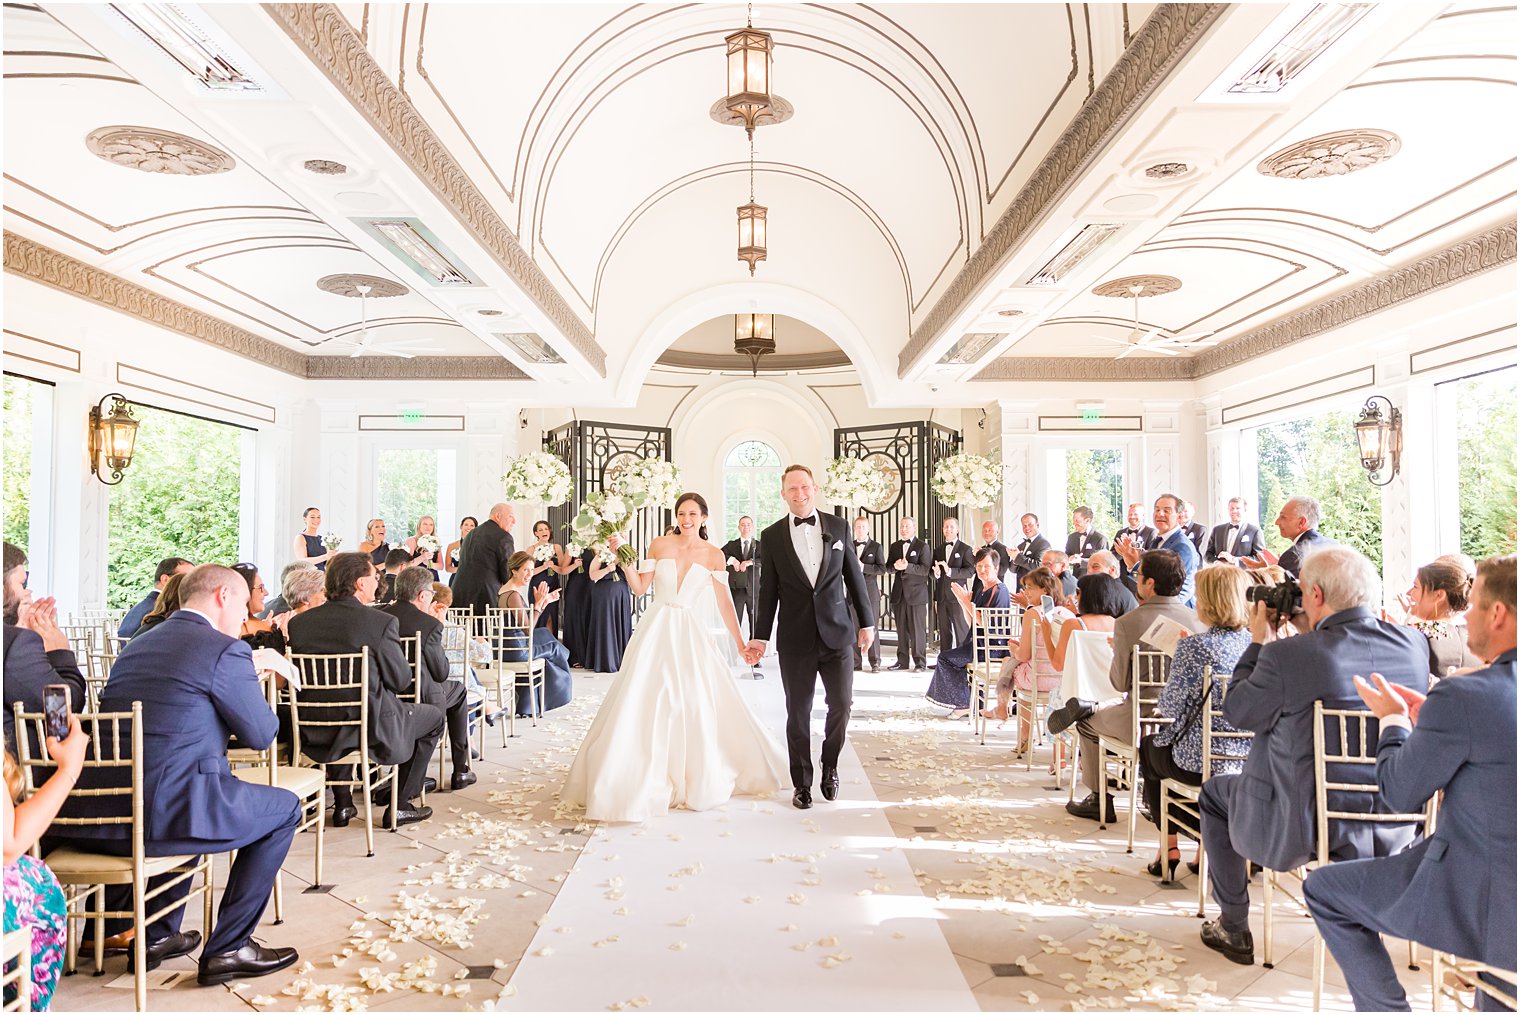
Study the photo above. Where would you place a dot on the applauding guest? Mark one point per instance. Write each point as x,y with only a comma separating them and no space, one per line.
37,652
1054,561
1083,542
1029,555
1296,521
1029,667
558,686
1134,533
873,564
167,568
909,561
1233,541
950,688
1167,514
952,567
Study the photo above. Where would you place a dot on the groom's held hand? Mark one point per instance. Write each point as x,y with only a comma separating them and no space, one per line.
753,651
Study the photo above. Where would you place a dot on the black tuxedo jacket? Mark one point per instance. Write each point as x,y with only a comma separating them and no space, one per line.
734,549
873,564
1026,556
810,613
1091,543
482,567
1144,536
1197,534
910,586
958,569
1248,542
347,626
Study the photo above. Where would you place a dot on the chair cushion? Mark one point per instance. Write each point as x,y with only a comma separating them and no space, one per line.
303,782
79,867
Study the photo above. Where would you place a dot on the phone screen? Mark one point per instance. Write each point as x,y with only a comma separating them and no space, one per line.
55,704
1047,604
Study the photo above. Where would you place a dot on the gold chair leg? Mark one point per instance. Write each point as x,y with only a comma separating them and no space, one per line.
1203,875
369,809
1102,788
1319,969
139,942
317,872
1268,882
1134,796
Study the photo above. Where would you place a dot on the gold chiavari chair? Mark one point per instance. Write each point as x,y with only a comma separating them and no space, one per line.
1149,672
515,669
991,633
1453,978
456,646
18,970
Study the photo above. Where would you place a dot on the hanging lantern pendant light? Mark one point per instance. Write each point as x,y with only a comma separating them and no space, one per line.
749,74
754,336
752,221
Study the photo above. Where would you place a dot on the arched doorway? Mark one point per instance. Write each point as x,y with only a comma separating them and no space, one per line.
751,486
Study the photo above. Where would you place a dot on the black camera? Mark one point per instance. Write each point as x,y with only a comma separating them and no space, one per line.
1286,597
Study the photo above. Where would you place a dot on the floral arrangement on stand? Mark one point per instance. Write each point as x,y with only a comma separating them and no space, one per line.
331,542
966,480
649,482
602,516
537,476
855,481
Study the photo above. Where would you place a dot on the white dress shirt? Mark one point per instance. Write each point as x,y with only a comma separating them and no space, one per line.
807,540
1229,539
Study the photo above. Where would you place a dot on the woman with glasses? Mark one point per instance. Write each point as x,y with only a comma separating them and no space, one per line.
258,633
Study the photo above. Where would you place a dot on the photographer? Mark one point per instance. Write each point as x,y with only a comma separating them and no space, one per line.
1266,813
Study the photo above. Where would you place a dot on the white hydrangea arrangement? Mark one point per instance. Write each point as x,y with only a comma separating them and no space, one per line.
428,545
544,553
603,515
332,541
537,476
649,482
966,480
855,481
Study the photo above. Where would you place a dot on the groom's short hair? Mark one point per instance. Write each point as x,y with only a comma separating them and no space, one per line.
796,468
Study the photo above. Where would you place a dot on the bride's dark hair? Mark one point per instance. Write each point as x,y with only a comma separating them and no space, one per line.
695,498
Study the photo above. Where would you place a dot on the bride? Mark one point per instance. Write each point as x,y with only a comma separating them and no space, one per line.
674,730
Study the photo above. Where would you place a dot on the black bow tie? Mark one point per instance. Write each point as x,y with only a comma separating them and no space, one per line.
809,520
860,542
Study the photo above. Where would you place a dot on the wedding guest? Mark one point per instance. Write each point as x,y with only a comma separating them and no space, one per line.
374,542
464,653
34,902
949,687
1176,751
990,537
1296,522
741,558
873,564
952,567
432,559
1083,541
1236,539
609,612
547,556
1099,601
37,652
308,547
1028,667
163,608
558,686
1030,552
255,632
1105,562
1166,514
395,560
1436,603
483,561
276,605
908,560
1193,530
1055,562
1134,533
451,554
301,589
167,568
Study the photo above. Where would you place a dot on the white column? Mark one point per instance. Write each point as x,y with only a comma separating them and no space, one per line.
77,549
342,511
1017,439
1162,448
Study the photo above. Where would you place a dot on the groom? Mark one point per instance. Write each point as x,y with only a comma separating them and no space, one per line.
808,564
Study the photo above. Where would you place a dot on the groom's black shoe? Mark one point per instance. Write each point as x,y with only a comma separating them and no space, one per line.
828,783
802,798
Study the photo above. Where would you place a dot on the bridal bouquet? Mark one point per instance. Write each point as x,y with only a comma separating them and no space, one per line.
537,476
969,480
544,553
649,482
602,516
428,545
855,481
332,541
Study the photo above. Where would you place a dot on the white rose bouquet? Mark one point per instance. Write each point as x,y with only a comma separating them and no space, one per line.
969,480
855,481
537,476
543,554
650,482
428,545
602,516
332,541
574,550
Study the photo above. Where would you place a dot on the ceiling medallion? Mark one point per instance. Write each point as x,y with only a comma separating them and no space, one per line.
1334,154
157,151
325,167
1138,285
779,111
1010,313
1168,170
348,284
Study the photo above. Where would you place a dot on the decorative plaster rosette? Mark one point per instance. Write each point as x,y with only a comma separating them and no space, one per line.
157,151
1333,154
1150,285
347,284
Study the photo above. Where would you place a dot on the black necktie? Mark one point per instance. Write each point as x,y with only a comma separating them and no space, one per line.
809,520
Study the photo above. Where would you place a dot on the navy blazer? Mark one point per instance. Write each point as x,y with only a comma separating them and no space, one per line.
1178,542
29,669
198,687
1292,559
1456,890
134,618
1272,695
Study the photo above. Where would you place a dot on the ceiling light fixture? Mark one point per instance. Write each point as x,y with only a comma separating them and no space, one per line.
1319,29
416,245
1073,252
533,348
969,348
752,221
748,96
754,336
190,46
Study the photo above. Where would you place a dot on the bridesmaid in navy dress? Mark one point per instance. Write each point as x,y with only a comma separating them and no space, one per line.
949,688
308,543
374,542
574,604
451,554
545,573
608,614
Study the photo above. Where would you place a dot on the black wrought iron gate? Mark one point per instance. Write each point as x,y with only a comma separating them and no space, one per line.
594,452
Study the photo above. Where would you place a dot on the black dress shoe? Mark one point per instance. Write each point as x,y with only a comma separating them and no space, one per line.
802,799
1235,945
828,783
171,947
899,666
1087,807
429,784
875,667
1069,714
408,815
459,780
253,959
341,816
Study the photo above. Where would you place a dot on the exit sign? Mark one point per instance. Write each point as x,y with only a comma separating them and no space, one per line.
1092,414
412,417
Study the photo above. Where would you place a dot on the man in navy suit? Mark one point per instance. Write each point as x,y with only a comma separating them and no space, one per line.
1167,516
37,652
197,686
1266,812
1455,891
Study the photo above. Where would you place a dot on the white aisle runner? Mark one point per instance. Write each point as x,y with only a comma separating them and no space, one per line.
758,906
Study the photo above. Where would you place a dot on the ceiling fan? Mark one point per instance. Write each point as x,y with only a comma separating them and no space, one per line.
1153,339
364,343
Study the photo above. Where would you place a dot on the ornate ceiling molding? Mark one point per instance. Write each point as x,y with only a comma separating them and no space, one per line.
29,259
1165,38
1485,251
322,32
151,150
1334,154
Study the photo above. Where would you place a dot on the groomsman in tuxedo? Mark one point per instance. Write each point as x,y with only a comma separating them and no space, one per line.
1083,541
909,561
1141,535
992,538
1236,538
873,564
952,566
1194,531
1027,555
742,560
483,561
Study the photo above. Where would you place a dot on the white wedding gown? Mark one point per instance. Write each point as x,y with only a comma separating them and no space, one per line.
674,729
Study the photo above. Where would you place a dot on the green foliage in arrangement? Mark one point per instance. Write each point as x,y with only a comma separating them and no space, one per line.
180,498
1318,457
1095,479
1486,462
19,403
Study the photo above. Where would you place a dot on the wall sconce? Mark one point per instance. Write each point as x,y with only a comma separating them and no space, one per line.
1380,437
113,434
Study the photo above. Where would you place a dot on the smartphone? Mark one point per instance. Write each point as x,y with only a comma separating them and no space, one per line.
1047,605
55,705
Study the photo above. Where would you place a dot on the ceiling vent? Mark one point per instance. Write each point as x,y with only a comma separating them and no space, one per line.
533,348
1088,241
417,247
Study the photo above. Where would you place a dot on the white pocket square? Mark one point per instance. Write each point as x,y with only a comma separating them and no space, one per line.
838,545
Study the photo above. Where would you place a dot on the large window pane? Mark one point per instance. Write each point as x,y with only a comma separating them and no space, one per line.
1095,479
751,486
407,484
20,410
1485,418
180,498
1318,457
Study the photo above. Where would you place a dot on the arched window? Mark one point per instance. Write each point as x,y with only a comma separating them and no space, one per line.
751,486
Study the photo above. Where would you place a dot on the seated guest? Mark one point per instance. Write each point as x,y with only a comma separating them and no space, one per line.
167,604
258,633
1266,812
414,594
1105,562
1454,891
197,687
1055,562
1436,604
1028,667
400,732
301,589
1159,578
37,652
1099,602
1233,541
558,686
167,568
1176,751
395,560
1296,522
950,688
463,652
276,604
1083,541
